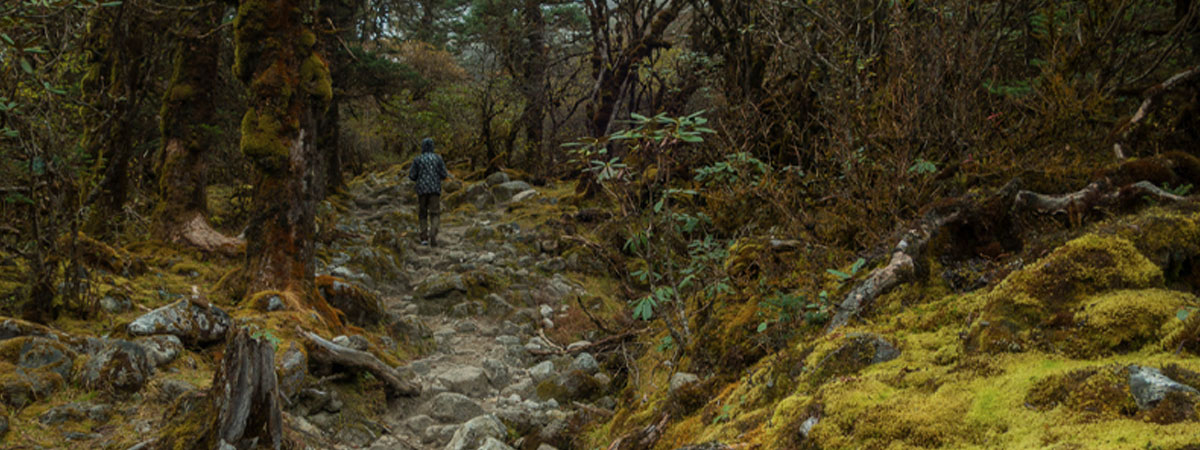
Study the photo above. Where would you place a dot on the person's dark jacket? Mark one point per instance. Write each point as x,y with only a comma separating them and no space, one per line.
428,170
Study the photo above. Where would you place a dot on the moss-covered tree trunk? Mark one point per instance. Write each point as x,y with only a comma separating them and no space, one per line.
186,124
275,57
340,29
117,67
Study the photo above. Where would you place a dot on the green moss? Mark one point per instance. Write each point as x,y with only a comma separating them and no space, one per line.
315,78
307,40
1046,293
249,31
1125,320
264,142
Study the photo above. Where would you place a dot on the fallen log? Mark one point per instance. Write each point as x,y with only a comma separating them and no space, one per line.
326,352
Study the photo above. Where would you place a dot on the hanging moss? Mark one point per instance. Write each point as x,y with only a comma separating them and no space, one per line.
250,37
263,141
315,78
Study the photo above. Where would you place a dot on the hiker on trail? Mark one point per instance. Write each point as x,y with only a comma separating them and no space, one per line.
428,170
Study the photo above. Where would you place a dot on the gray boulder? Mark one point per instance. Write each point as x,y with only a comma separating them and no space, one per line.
121,366
497,178
441,285
467,380
585,362
170,390
492,443
542,371
161,349
1149,386
497,373
681,379
418,423
192,323
293,367
452,407
505,191
473,434
75,412
115,305
40,353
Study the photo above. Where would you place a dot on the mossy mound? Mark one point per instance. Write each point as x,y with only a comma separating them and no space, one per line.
1125,320
1036,306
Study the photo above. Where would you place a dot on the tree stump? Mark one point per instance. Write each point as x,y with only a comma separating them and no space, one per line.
246,395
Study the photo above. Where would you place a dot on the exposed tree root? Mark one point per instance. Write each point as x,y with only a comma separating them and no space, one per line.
198,233
326,352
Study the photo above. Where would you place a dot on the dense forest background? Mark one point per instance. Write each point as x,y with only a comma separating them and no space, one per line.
222,125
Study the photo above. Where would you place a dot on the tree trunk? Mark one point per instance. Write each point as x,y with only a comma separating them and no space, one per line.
533,83
289,84
116,77
186,116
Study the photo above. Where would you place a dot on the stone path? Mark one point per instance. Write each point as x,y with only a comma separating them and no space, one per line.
481,300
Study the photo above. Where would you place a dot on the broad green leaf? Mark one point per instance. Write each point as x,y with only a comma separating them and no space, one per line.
7,39
843,276
858,265
26,67
762,326
1182,314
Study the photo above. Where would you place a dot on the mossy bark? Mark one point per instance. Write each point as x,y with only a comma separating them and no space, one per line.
117,73
288,84
186,121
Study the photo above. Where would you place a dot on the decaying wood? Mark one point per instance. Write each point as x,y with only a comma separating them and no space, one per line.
1149,104
327,352
900,269
246,395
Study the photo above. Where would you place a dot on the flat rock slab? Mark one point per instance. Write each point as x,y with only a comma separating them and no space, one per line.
452,407
468,380
193,324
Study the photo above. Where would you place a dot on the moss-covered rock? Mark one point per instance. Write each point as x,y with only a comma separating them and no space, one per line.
848,355
20,386
192,323
360,306
39,353
1036,306
122,367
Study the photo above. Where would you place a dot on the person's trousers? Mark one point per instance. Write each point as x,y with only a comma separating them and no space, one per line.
429,207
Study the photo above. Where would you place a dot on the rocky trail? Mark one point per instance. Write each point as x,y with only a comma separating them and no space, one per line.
482,301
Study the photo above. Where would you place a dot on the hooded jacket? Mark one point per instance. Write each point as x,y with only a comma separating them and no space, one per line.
428,170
